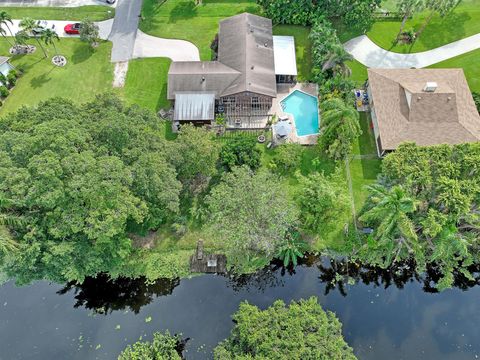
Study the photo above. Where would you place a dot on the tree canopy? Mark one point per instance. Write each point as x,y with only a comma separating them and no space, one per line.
162,347
301,330
250,215
426,207
77,175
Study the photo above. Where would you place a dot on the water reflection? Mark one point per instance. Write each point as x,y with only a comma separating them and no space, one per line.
104,295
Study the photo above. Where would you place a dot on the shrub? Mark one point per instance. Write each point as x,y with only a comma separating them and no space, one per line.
240,151
4,92
476,98
12,79
287,158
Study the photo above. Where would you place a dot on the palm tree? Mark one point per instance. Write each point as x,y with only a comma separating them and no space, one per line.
339,128
28,25
6,19
49,37
407,8
336,61
389,208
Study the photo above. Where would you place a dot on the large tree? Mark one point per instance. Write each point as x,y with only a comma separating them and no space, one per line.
78,175
89,32
301,330
339,128
250,215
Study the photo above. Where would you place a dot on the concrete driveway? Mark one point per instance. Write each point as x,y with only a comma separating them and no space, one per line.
370,54
178,50
59,3
124,29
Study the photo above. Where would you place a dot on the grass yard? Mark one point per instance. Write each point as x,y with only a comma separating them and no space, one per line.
359,72
182,19
464,21
364,171
93,12
470,64
146,83
303,48
87,73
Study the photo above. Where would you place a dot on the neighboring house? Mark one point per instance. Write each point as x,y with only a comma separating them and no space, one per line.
242,82
425,106
5,65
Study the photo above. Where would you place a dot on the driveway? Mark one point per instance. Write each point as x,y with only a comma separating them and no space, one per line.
178,50
370,54
104,28
124,29
59,3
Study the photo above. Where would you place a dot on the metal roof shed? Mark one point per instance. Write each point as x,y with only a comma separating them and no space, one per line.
194,106
284,55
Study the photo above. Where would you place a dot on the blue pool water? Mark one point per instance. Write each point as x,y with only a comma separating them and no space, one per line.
304,109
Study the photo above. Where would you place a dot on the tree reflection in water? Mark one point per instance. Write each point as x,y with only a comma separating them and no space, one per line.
104,295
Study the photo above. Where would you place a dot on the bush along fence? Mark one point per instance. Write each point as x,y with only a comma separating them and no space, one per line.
7,83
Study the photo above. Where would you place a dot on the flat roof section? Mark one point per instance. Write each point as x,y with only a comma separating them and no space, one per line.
284,55
194,106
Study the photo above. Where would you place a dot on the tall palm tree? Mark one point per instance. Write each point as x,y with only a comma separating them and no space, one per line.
49,37
407,8
28,25
339,127
389,208
336,61
5,19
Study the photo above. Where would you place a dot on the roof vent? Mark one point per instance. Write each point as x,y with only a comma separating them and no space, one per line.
266,44
449,98
252,67
419,98
203,78
430,86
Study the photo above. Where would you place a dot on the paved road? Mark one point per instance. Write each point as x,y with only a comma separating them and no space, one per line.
104,28
124,29
370,54
60,3
178,50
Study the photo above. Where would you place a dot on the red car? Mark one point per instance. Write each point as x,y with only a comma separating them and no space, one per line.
72,29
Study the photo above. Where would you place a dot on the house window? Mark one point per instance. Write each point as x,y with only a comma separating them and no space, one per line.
255,102
229,100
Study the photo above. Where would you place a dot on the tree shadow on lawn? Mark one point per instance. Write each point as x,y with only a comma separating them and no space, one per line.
40,80
183,11
82,53
444,30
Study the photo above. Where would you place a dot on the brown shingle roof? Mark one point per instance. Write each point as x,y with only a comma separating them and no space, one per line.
245,61
405,112
246,45
196,76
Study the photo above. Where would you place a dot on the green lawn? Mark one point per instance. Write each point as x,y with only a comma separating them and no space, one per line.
182,19
470,64
87,73
303,48
462,22
146,83
359,72
93,12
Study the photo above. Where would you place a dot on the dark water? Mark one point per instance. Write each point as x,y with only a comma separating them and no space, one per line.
385,315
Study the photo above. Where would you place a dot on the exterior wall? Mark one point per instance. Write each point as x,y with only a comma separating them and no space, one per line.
5,68
376,131
245,110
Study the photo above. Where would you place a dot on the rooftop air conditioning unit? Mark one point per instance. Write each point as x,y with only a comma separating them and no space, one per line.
430,87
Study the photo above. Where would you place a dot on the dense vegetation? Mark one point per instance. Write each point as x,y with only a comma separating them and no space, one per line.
426,207
301,330
163,346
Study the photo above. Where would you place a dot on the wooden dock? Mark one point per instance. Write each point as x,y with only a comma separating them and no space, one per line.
207,263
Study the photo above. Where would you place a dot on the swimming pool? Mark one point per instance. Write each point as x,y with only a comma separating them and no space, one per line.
304,108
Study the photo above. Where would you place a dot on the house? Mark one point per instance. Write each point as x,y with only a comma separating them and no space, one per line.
5,65
241,83
425,106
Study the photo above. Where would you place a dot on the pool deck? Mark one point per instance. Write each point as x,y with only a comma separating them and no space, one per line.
283,90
